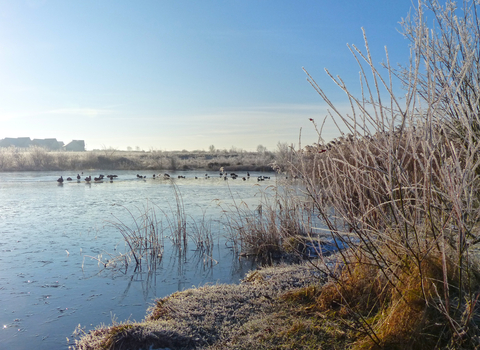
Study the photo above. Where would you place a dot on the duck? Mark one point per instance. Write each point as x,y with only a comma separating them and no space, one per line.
60,179
78,176
88,178
69,179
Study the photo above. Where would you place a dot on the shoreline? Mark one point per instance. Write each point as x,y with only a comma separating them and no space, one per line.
234,316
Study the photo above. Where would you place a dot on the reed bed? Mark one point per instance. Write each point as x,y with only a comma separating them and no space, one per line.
403,181
145,230
278,228
144,233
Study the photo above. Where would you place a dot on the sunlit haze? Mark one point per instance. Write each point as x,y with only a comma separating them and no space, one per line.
174,75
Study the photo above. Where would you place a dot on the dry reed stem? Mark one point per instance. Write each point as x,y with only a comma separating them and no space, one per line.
404,182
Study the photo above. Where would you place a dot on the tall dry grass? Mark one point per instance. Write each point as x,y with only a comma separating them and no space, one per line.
144,238
145,230
278,227
403,181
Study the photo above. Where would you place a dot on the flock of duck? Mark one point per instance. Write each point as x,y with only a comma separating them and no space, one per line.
165,176
88,178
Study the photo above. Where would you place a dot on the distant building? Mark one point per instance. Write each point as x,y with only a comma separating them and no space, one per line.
75,145
21,142
50,144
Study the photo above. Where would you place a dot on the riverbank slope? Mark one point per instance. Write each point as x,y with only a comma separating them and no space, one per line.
268,309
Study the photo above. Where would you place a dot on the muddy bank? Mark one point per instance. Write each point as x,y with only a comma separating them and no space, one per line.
212,316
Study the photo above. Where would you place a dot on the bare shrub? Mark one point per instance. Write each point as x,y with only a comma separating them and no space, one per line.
62,160
6,158
40,157
156,160
90,160
74,161
20,158
173,163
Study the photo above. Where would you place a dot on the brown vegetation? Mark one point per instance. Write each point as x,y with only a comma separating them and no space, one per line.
404,185
38,158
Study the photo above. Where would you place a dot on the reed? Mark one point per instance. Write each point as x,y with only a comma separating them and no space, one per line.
277,228
403,182
179,223
145,230
144,238
201,235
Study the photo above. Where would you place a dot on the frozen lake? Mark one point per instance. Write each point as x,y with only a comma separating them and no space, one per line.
50,235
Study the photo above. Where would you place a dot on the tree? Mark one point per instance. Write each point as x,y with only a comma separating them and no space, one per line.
109,151
261,149
211,148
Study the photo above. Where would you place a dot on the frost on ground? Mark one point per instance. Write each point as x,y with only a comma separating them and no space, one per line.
201,317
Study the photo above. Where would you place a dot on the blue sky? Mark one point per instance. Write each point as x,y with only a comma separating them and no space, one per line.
173,75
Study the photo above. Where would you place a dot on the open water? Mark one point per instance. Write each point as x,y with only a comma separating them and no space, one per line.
52,234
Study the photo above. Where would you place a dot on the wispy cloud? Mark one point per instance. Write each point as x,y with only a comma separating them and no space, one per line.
266,124
260,118
87,112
